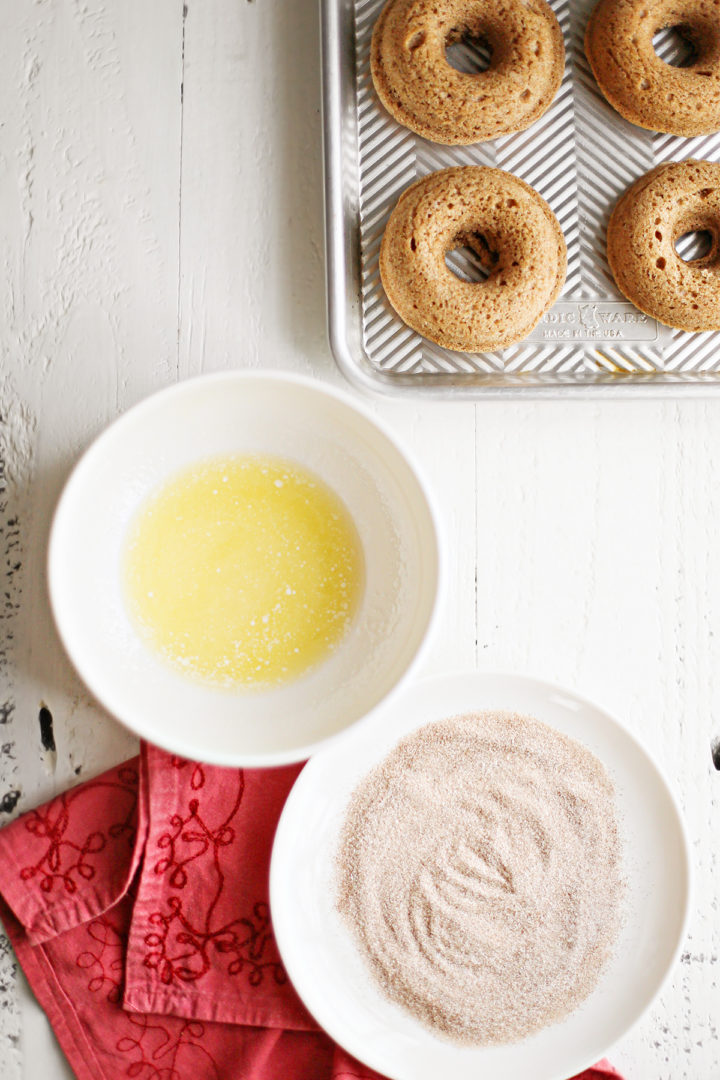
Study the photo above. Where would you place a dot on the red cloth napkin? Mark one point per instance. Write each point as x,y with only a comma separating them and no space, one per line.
137,905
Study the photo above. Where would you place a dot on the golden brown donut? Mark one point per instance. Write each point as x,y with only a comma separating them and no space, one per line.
421,89
507,224
663,205
641,86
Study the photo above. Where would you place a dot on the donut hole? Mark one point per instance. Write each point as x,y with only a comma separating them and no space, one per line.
468,51
467,265
471,257
695,245
677,45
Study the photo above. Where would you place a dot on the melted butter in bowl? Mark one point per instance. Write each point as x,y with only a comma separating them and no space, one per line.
243,571
348,529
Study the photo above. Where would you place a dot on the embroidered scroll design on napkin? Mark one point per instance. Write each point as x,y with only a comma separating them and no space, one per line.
157,1049
104,959
70,852
183,940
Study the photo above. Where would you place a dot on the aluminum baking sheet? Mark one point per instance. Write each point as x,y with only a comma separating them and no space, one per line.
581,155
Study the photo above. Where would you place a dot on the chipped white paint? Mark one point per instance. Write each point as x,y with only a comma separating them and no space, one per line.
142,240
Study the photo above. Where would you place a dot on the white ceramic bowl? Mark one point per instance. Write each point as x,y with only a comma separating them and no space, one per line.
242,412
321,957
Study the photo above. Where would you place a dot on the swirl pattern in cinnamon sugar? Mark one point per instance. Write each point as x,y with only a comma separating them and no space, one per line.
479,872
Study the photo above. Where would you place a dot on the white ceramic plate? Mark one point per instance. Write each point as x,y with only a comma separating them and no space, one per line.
239,413
326,968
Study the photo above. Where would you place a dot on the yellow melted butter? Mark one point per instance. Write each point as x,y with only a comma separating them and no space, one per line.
244,571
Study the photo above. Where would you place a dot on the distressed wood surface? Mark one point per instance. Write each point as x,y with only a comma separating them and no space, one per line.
160,188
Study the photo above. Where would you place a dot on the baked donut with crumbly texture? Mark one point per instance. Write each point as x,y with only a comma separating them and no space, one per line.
671,200
511,229
421,89
642,87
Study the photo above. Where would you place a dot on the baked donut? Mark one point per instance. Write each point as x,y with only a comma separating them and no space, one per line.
641,86
515,236
674,199
421,89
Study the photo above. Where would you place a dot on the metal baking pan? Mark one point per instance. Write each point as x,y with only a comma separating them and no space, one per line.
580,156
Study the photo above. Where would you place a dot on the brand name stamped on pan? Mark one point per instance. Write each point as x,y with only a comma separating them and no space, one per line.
595,320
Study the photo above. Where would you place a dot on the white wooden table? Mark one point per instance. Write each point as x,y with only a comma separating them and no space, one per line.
160,216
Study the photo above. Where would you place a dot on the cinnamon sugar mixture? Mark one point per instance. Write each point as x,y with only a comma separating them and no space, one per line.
479,872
